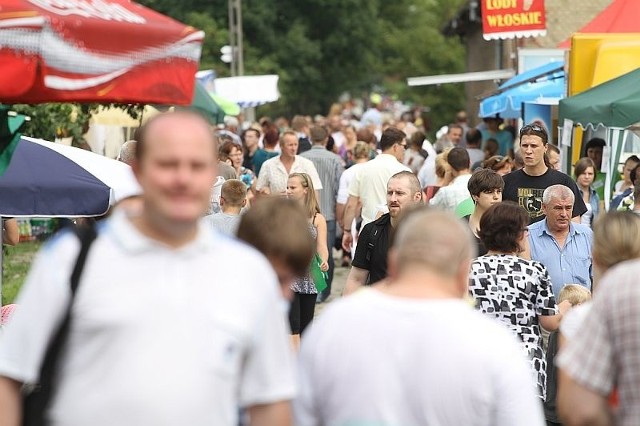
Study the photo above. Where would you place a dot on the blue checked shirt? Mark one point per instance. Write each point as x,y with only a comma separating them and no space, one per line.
569,265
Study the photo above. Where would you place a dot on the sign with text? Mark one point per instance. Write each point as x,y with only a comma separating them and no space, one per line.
502,19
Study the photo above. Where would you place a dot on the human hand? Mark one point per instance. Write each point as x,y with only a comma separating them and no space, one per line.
564,306
324,266
347,241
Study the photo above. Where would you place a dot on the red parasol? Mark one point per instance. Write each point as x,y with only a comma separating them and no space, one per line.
94,51
621,16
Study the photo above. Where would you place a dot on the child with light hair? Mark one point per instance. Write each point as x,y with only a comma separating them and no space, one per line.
233,197
576,295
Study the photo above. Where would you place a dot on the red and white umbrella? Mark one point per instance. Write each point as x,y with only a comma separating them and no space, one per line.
94,51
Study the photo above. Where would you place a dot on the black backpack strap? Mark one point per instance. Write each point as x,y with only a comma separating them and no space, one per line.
36,402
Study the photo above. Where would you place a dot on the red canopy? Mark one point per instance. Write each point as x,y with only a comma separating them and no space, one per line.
94,51
621,16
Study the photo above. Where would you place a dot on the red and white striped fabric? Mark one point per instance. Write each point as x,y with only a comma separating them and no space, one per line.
94,51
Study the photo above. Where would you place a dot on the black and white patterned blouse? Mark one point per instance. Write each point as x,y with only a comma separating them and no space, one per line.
516,291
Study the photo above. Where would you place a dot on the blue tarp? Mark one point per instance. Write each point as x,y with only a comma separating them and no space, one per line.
508,103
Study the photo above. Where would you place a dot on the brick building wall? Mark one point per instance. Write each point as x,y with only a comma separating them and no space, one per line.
564,17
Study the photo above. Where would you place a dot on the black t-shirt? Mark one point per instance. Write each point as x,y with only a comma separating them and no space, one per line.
527,191
377,263
482,250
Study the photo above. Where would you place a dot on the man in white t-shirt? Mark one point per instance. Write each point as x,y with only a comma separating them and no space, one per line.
168,326
417,353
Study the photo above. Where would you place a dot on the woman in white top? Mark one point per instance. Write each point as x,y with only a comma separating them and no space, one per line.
625,183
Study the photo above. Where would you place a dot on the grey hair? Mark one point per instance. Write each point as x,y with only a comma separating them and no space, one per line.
561,192
435,239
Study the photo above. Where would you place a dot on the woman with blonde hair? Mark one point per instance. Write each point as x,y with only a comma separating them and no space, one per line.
443,176
300,188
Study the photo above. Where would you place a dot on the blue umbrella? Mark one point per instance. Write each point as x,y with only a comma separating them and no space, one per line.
517,90
46,179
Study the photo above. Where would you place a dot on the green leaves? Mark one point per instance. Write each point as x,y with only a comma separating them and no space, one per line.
323,48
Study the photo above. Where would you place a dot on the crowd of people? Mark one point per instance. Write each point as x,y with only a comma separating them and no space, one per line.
468,299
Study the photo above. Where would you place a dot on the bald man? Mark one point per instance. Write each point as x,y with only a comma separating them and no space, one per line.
407,345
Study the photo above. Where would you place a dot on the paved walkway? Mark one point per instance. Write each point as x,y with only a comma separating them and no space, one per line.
339,280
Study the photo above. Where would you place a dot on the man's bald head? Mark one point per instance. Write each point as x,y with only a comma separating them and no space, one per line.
160,124
434,240
127,152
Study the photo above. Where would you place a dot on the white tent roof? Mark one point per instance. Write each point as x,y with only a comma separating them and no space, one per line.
248,91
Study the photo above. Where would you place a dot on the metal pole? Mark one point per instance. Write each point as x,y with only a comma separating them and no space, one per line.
232,36
240,67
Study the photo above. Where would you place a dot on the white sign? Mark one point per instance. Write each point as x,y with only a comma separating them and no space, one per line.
567,132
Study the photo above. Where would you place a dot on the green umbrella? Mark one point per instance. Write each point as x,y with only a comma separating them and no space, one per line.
204,104
229,107
10,125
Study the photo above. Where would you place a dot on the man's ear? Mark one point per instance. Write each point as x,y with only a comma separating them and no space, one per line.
244,202
222,202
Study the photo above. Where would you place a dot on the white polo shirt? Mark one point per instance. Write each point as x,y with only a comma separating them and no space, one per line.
158,336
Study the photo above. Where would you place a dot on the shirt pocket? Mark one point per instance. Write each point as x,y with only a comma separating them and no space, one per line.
225,350
582,271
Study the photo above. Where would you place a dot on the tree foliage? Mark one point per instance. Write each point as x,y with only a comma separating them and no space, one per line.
324,48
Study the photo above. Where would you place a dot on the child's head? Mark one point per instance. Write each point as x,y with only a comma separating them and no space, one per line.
575,294
233,194
279,229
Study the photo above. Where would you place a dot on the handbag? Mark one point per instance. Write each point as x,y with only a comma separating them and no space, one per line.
36,400
318,276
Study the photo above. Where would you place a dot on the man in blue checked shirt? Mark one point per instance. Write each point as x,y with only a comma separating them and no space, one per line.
562,246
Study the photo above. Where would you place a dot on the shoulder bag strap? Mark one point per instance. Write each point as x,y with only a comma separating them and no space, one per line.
86,235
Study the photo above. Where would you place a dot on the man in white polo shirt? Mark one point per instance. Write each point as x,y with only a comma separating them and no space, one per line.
369,185
164,329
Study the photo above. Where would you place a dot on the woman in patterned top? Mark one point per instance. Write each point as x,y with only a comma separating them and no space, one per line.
300,188
514,290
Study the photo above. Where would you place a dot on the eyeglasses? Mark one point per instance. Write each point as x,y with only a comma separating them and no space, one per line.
404,145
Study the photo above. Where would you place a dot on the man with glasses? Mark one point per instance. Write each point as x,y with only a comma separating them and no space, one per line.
369,185
527,185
